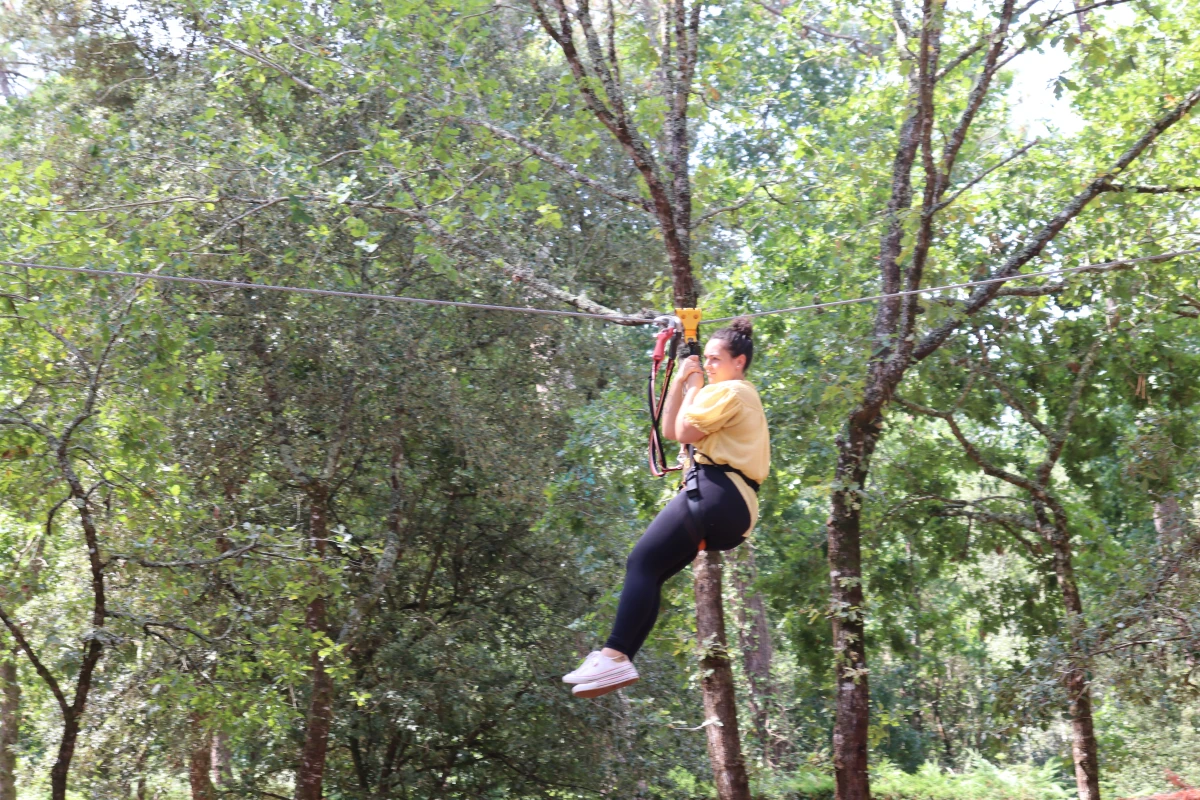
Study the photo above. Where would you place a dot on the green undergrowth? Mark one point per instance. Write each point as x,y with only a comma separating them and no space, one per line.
979,780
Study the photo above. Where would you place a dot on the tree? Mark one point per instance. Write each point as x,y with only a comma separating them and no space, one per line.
1050,520
907,243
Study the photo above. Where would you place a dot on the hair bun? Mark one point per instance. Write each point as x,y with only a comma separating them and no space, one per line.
742,325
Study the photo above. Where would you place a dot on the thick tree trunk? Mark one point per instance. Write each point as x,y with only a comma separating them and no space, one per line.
1083,734
754,639
844,531
724,741
310,774
200,748
10,721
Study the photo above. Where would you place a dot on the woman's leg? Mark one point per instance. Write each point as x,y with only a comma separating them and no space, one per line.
667,547
664,550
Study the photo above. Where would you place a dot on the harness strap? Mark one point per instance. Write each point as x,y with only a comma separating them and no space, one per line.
691,485
755,485
664,349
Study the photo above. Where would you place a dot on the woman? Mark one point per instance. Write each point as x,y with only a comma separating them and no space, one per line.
725,422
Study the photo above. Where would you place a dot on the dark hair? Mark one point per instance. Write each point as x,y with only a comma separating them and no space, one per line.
737,338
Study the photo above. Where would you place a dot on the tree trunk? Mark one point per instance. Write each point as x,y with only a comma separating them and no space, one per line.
222,768
1083,733
724,741
310,774
754,638
947,745
10,721
845,577
200,746
66,751
1169,520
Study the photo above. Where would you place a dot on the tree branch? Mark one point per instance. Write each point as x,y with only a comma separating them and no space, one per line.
566,43
1014,402
1149,188
1010,522
1059,439
259,57
521,273
975,100
38,666
562,164
1032,291
972,451
252,545
985,294
1015,155
146,623
707,215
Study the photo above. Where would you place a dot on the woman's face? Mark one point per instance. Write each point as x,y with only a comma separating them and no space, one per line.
719,365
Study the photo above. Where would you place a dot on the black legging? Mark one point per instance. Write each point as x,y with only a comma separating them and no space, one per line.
667,547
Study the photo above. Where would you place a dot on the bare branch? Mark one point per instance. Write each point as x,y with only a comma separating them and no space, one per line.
964,508
707,215
227,225
53,333
1015,155
978,94
862,45
1014,401
966,54
1054,19
383,575
1191,301
612,89
566,42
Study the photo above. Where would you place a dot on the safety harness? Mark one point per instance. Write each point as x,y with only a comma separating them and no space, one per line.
681,328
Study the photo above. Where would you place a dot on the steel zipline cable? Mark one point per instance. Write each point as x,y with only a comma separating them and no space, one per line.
621,319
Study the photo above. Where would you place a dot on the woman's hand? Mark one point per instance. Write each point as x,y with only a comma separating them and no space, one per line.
689,367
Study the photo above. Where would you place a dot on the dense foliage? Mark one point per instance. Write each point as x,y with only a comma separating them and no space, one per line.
263,544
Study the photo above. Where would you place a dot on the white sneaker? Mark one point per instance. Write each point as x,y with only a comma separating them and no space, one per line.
599,674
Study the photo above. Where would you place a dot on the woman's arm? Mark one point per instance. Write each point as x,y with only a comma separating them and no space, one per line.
680,396
685,432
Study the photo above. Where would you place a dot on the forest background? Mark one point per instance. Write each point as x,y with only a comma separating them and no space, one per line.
266,545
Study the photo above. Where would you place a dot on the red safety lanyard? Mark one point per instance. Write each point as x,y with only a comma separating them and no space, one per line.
665,346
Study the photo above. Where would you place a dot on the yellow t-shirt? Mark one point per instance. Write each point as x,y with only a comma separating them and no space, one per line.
731,414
